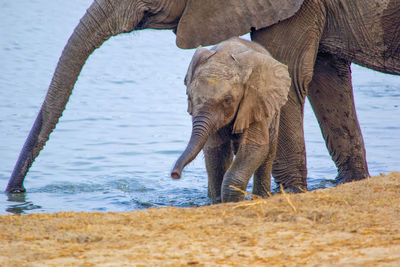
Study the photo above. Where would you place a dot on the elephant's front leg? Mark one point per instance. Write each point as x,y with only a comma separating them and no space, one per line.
290,165
218,156
331,97
247,160
294,42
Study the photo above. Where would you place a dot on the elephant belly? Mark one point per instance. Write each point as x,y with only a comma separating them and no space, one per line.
366,32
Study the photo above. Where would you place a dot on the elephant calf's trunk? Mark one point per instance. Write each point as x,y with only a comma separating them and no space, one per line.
195,145
200,133
176,172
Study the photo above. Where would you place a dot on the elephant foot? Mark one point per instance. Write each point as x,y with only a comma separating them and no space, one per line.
231,194
216,200
214,196
350,176
261,194
293,189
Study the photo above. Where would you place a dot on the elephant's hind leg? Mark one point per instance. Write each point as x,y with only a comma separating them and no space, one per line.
331,97
262,176
262,179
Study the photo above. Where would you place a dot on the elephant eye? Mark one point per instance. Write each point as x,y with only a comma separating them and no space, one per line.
228,99
190,108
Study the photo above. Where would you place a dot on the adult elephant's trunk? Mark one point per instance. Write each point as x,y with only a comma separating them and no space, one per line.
200,132
103,19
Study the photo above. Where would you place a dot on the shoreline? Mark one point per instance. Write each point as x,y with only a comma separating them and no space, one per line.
352,224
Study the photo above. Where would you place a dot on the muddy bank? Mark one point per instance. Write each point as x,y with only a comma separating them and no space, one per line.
352,224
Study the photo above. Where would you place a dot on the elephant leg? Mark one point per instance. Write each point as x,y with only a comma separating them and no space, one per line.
247,161
294,42
331,97
262,176
290,165
218,158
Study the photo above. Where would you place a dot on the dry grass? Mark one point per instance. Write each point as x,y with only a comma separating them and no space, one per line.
352,224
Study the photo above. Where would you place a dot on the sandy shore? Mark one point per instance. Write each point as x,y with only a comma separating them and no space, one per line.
352,224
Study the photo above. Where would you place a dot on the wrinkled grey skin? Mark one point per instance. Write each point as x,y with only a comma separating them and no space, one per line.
317,40
235,93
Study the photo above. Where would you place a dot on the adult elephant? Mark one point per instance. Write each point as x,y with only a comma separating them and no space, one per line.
317,40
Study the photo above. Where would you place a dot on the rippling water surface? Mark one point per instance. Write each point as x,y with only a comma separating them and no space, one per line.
126,122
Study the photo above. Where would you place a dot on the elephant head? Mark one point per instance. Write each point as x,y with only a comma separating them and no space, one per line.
233,85
194,22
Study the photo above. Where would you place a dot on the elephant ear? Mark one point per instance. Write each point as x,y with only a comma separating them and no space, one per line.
266,88
207,22
199,57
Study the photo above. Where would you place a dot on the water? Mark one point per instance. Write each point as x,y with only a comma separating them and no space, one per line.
126,122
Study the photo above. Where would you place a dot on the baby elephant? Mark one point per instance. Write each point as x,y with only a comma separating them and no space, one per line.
235,93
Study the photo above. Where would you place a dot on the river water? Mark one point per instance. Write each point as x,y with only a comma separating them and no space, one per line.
126,122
